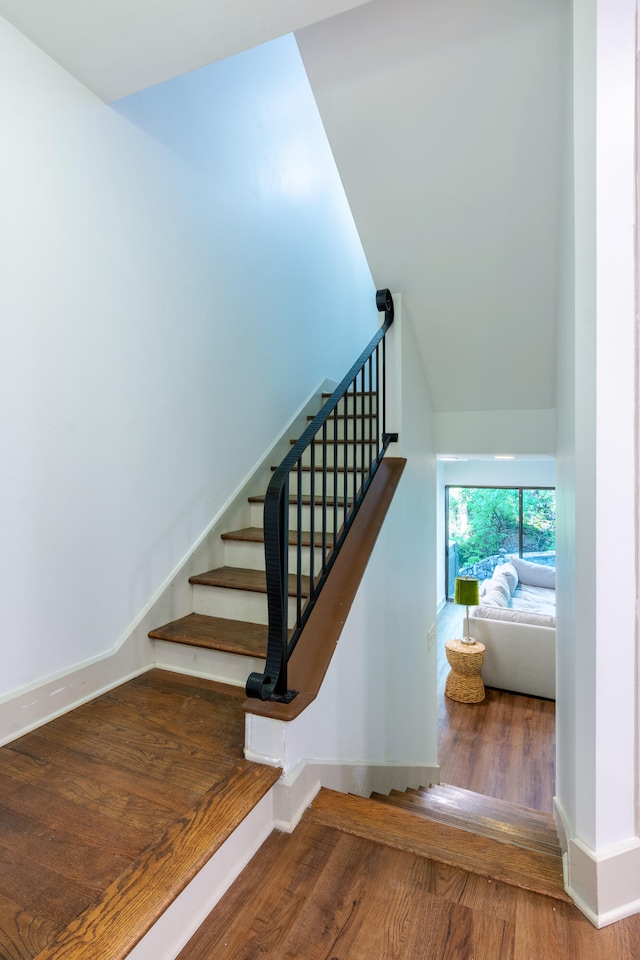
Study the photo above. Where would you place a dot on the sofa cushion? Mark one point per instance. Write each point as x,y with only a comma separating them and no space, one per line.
497,594
514,616
508,572
489,602
502,585
535,574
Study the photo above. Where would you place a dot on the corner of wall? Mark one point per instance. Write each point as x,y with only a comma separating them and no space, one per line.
605,886
295,791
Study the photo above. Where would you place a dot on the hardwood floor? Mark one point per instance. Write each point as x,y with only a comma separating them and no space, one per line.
322,894
341,888
503,747
92,804
106,812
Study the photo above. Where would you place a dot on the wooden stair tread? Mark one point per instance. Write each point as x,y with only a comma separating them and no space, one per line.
216,633
541,828
256,535
528,869
514,832
120,917
500,810
241,578
489,806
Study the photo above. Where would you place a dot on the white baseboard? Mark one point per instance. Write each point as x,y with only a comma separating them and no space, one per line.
604,884
31,708
179,922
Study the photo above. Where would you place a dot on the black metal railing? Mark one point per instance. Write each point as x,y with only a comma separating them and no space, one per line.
340,470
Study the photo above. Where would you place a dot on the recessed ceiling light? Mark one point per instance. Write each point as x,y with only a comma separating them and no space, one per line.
447,458
504,456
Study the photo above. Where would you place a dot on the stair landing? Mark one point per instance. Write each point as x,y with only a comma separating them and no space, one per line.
107,812
539,871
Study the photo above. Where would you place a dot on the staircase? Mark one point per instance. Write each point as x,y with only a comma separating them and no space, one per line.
389,876
495,839
230,602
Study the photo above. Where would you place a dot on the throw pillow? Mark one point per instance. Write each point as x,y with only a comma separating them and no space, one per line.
497,593
509,573
535,574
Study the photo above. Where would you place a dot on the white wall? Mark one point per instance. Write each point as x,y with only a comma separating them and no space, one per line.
575,305
597,681
177,278
469,473
482,432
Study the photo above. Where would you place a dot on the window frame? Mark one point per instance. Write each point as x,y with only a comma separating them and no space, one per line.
481,486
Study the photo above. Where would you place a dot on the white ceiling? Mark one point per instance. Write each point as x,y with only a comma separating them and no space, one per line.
117,47
445,118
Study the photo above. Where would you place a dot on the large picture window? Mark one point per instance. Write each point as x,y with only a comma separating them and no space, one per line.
484,525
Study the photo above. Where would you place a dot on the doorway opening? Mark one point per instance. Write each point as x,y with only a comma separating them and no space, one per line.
490,512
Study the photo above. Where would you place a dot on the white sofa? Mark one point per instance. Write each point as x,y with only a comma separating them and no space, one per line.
516,621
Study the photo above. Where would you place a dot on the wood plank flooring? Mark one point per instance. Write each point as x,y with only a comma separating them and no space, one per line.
503,747
322,894
95,800
340,890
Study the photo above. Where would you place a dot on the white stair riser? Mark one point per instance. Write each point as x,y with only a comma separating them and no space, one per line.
257,517
331,480
355,404
235,604
240,553
354,454
354,427
217,665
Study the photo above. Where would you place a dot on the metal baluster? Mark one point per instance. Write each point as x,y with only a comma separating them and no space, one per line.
324,495
277,669
345,475
370,444
336,424
362,422
377,401
312,523
384,389
298,545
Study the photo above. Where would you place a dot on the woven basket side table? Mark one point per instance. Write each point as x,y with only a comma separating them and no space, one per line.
464,683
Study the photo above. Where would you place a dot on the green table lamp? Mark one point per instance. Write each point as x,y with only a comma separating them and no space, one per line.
467,593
